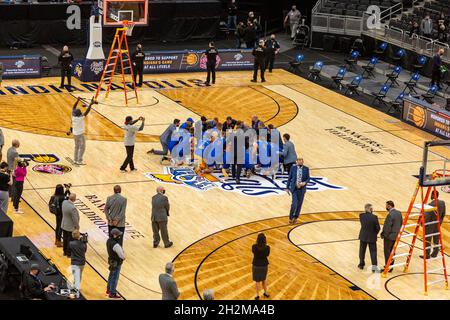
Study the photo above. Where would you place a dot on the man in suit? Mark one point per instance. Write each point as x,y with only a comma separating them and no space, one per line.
70,222
433,227
289,153
160,214
115,208
168,285
391,228
368,236
165,139
296,185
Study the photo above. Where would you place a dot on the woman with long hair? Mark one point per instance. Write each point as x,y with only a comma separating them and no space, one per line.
260,264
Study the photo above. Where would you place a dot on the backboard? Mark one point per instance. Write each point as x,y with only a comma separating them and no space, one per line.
435,170
115,12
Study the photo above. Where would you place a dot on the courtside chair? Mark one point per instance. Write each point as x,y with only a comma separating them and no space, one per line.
411,84
397,58
314,72
381,95
379,52
337,79
393,76
417,67
294,65
352,60
352,87
396,105
369,67
430,94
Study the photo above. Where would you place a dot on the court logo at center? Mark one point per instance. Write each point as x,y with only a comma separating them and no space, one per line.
256,185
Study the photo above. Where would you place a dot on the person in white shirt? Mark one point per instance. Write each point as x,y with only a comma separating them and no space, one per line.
77,129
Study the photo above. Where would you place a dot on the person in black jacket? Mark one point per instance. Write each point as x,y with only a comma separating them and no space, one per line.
66,58
32,286
368,236
138,59
436,68
211,57
260,61
260,263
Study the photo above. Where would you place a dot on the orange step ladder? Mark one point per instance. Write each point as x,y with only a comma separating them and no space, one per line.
119,52
420,224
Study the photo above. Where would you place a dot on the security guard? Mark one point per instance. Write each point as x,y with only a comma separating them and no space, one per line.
211,56
273,47
260,60
138,58
65,58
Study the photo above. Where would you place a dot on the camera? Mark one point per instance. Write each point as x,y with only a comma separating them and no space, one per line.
84,237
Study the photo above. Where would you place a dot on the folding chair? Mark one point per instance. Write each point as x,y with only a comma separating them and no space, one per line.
396,104
337,79
352,60
370,67
353,86
393,76
381,95
294,65
397,58
412,83
421,60
381,49
314,72
430,94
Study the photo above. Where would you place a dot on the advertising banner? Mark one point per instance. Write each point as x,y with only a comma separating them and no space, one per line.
16,67
423,115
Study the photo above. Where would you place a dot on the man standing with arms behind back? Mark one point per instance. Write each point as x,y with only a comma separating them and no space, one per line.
296,185
391,228
115,208
368,236
160,214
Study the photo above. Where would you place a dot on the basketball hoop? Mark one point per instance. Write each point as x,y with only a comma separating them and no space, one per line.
442,174
130,26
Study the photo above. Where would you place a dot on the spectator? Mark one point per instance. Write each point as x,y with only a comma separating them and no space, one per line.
208,294
240,34
426,27
260,264
293,19
32,286
78,250
116,256
232,15
20,174
168,285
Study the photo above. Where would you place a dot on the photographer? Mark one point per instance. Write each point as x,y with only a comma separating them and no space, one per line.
78,248
20,173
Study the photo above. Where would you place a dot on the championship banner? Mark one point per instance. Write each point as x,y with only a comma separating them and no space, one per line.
188,60
26,66
423,115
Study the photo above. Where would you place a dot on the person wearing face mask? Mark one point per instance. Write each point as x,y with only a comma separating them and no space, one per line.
368,236
391,228
138,59
273,48
436,68
260,61
32,286
211,59
65,59
77,129
293,19
426,27
116,256
160,214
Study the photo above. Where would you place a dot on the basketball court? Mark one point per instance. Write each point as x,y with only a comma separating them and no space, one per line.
356,155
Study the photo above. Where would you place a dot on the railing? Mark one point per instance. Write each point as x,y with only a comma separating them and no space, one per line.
422,45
